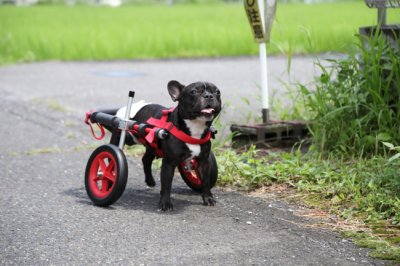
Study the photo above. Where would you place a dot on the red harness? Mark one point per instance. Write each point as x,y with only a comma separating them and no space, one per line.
150,139
173,130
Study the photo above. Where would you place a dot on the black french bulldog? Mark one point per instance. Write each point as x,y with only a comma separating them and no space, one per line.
198,104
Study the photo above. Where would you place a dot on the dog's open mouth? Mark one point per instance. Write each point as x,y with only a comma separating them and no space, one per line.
207,112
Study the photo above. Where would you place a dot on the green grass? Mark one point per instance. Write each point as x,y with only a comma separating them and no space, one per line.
158,31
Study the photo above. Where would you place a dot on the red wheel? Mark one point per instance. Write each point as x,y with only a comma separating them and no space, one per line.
106,175
191,176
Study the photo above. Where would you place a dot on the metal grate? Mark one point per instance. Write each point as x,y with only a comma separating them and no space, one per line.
383,3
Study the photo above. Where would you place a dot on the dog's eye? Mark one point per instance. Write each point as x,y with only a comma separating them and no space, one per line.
194,91
217,92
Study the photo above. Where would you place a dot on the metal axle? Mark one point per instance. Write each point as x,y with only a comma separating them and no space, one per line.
123,124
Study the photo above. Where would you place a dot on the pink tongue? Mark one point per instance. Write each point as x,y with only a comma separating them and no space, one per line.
208,110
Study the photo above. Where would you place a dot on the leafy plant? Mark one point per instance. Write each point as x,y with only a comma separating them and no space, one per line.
393,148
356,103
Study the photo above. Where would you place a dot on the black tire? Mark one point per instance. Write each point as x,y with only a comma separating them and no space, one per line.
196,186
106,175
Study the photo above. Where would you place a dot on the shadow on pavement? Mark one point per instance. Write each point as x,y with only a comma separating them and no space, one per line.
142,199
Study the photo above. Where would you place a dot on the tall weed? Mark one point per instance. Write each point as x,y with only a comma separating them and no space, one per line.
356,103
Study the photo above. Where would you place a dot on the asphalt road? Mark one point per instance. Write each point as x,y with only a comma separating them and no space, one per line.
47,219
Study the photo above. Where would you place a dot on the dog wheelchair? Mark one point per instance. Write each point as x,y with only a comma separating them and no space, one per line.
106,171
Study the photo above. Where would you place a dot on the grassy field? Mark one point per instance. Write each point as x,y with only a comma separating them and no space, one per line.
158,31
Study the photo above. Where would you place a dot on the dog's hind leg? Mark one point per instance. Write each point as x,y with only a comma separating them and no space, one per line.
147,160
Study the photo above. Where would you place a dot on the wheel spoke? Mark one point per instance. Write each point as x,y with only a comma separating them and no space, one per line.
98,176
109,177
109,172
103,166
104,185
110,166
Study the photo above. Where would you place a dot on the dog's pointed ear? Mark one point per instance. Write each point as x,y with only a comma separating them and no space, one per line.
175,89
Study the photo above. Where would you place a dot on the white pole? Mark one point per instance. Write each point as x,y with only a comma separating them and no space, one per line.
264,82
264,68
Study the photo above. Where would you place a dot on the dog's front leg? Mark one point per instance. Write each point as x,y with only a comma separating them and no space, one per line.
167,174
204,170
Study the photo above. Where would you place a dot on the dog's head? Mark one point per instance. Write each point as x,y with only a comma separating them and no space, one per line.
199,100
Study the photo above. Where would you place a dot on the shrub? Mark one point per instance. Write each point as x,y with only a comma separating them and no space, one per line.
356,104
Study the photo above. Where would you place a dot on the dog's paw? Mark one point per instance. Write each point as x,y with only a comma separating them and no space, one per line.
208,200
165,205
150,182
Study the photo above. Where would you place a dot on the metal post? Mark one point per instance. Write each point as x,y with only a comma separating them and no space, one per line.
128,111
264,69
264,82
382,16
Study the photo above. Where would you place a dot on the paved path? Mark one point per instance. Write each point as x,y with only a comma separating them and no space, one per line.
80,85
47,219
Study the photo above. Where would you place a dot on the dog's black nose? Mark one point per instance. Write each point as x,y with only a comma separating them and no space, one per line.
208,95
